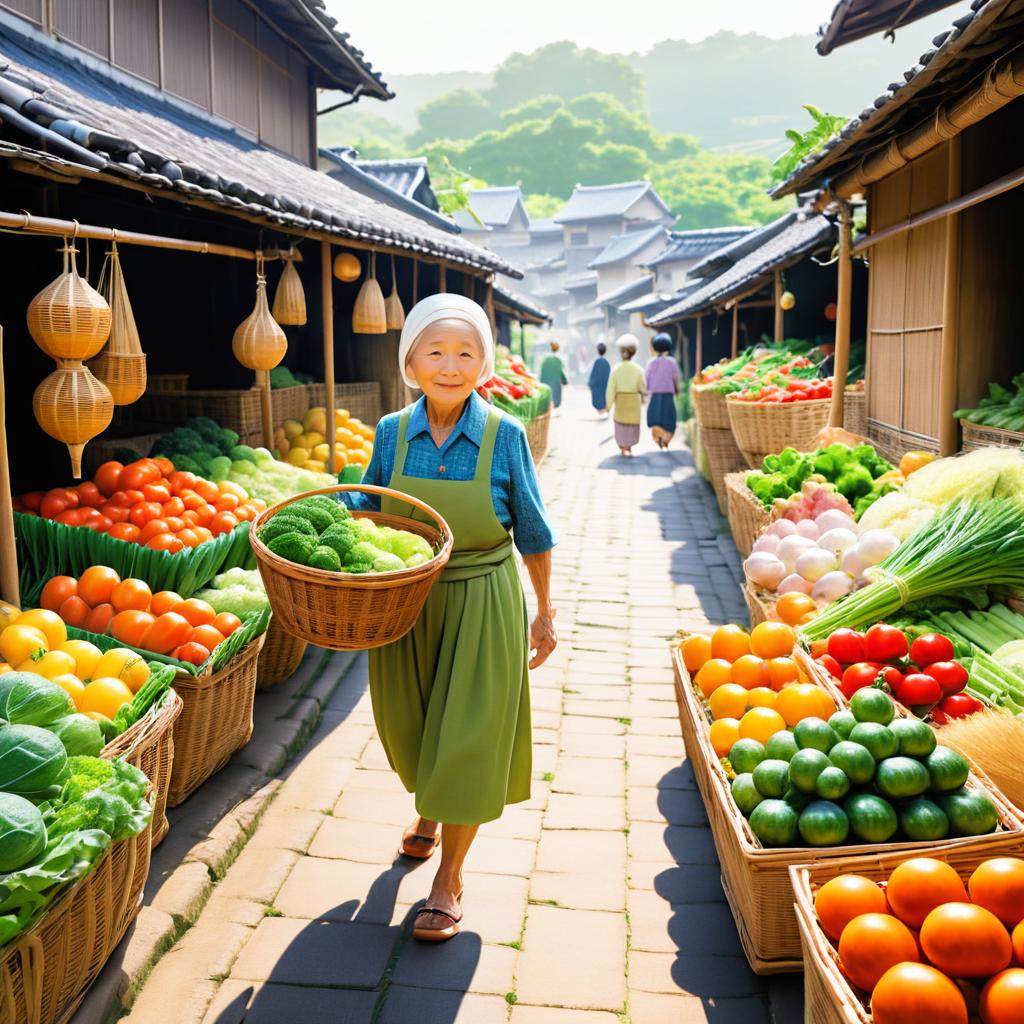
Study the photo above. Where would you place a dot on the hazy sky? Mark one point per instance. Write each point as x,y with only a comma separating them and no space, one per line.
398,38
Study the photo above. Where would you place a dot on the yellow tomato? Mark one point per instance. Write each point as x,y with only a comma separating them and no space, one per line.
316,420
53,663
292,428
724,733
74,687
86,656
322,452
696,650
761,697
772,640
314,466
341,456
8,613
802,700
230,487
127,666
105,695
297,455
761,724
341,417
18,643
4,667
913,461
728,701
49,623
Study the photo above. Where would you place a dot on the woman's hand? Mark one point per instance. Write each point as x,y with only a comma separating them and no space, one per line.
543,639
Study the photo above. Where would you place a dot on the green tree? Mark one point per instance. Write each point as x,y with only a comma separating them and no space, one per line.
539,107
457,115
615,122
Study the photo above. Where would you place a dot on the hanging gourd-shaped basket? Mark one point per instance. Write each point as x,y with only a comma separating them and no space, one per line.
368,314
290,299
347,267
69,319
72,406
258,342
394,314
122,364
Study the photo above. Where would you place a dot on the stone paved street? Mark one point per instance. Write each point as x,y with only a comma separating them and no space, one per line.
597,902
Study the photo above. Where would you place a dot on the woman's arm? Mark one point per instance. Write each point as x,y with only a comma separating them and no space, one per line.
543,638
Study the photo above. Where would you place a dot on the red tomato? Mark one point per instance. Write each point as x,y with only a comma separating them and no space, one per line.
194,654
121,499
893,676
131,595
165,542
89,494
56,501
227,502
857,676
99,523
207,636
168,631
115,513
130,626
156,492
135,497
124,531
181,480
144,512
918,689
959,705
846,646
207,490
223,522
950,675
173,507
884,643
107,477
165,466
930,648
833,666
73,516
57,590
33,499
135,476
226,623
74,611
152,528
99,619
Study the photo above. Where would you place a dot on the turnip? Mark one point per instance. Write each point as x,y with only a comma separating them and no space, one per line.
834,519
767,542
794,583
807,528
814,563
854,562
877,545
764,569
782,528
837,540
832,586
790,548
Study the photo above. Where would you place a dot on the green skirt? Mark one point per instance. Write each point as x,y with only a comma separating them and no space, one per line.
451,699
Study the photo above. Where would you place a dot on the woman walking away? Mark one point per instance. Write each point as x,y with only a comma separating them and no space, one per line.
663,384
552,373
451,698
625,395
598,382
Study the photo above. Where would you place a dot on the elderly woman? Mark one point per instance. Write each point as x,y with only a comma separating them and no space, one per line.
451,698
625,395
662,378
552,373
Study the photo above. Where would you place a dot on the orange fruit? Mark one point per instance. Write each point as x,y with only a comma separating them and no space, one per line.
872,943
1002,998
997,885
761,724
792,607
128,595
781,671
772,640
696,650
104,695
729,642
748,671
724,733
728,701
96,584
801,700
164,601
1017,939
914,993
845,897
919,885
713,673
966,941
761,697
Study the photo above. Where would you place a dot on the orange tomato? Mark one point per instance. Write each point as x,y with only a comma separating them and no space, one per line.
781,671
131,595
1017,939
190,517
192,501
180,481
724,733
107,476
165,542
164,601
1002,998
792,607
172,507
713,673
872,943
761,724
729,642
227,502
156,492
761,697
245,513
966,941
165,466
914,993
748,671
96,584
207,490
845,897
99,619
57,590
115,513
728,701
202,533
129,627
194,654
799,701
225,623
152,529
223,522
124,531
696,650
168,631
207,636
188,537
772,640
998,885
74,611
919,885
143,512
198,613
205,514
105,695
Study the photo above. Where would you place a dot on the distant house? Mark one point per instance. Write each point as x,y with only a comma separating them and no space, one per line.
684,249
621,279
409,175
503,214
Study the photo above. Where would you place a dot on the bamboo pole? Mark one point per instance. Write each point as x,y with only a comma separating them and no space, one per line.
735,328
489,306
950,352
8,548
699,354
441,285
779,312
327,287
684,347
266,413
844,303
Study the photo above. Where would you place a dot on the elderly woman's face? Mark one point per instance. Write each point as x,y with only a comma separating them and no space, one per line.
446,362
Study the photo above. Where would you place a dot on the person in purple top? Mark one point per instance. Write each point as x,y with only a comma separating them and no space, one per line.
663,385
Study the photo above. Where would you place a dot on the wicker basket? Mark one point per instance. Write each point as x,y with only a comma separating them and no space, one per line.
352,613
747,516
989,437
149,745
215,721
762,430
104,448
537,433
279,658
46,972
167,382
756,879
759,604
855,412
709,407
723,457
288,403
892,442
361,399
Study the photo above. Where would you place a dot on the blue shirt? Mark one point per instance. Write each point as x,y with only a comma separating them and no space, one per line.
515,492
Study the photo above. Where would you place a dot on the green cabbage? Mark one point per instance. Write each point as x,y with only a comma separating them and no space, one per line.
30,758
28,699
22,832
79,734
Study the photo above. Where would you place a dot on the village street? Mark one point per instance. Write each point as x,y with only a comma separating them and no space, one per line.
597,902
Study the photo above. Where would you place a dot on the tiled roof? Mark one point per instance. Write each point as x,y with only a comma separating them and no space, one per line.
588,280
404,176
545,227
130,133
508,301
655,302
595,202
496,206
854,19
717,260
696,244
622,248
803,234
617,297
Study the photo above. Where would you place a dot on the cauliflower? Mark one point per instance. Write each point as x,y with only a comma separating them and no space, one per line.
295,546
371,533
387,562
238,600
239,577
342,537
363,552
324,557
897,512
414,560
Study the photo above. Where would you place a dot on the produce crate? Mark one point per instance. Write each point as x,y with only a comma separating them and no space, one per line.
215,721
893,443
748,518
167,382
149,745
537,434
723,458
760,604
362,399
709,407
104,448
756,879
855,411
236,409
46,971
766,429
989,437
288,404
829,998
280,656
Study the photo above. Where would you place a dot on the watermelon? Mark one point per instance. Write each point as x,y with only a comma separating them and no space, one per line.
879,740
842,723
745,755
797,800
970,812
915,738
774,822
805,767
948,769
832,784
771,777
745,793
871,818
901,777
924,821
814,734
871,705
822,823
781,746
855,760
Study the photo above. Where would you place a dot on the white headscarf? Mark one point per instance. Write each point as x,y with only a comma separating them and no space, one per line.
628,341
446,306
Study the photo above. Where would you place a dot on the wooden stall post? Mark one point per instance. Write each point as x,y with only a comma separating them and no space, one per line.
327,288
779,312
8,548
490,311
266,413
950,352
699,354
441,285
684,348
844,303
735,328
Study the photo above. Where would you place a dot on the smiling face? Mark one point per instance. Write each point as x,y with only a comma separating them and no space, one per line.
446,362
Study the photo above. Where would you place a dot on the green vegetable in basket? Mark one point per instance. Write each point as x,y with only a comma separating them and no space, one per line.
324,557
31,758
29,699
342,537
22,832
285,522
295,546
387,562
79,734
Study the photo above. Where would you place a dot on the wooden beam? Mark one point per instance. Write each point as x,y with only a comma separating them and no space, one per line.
844,302
441,284
327,287
735,329
8,548
699,354
489,306
779,312
949,357
266,412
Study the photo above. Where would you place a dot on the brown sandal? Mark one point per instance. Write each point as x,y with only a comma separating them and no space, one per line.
419,847
437,934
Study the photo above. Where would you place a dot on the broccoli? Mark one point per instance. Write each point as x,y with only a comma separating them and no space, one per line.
202,459
855,480
284,522
316,514
186,440
220,467
85,774
358,568
295,546
336,508
342,537
324,557
282,377
207,428
867,456
243,453
186,464
387,562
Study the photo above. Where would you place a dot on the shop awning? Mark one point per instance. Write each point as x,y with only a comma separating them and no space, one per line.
617,297
518,307
854,19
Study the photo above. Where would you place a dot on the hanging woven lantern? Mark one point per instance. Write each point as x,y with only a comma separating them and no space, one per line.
258,342
69,319
347,267
289,299
368,314
72,406
394,314
122,364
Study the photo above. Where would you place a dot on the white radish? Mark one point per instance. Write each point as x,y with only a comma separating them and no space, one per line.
794,583
854,562
790,548
782,528
808,528
764,569
877,545
834,519
832,586
837,540
815,563
768,542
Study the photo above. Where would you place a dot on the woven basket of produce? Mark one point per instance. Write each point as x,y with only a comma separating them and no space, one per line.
347,611
215,720
149,745
537,431
280,656
759,603
765,428
709,407
855,411
747,516
990,437
723,457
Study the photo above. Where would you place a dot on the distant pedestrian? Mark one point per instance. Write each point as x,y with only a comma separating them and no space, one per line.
662,380
625,395
598,381
552,373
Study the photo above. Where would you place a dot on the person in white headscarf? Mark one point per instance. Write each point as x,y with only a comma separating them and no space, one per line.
625,395
451,698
